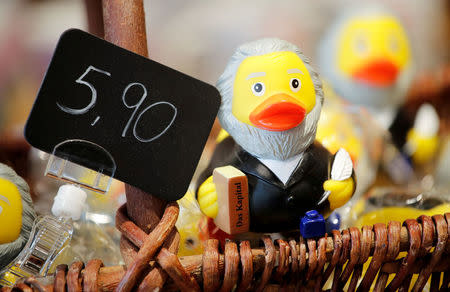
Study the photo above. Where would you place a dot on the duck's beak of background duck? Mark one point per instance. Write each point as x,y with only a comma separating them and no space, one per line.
279,112
377,72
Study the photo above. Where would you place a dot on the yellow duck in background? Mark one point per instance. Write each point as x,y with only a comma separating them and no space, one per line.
387,214
386,204
366,57
336,128
271,102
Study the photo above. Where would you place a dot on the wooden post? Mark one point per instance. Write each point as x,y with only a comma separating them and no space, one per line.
94,15
124,25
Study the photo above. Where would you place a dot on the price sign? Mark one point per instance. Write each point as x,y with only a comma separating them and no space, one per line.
153,121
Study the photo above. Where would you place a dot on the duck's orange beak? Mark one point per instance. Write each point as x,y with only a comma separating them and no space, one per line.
379,73
280,112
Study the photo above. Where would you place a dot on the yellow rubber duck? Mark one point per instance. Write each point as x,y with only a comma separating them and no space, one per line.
366,57
336,129
386,214
10,211
390,204
16,214
271,102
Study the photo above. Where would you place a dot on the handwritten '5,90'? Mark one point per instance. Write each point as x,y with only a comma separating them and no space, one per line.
136,106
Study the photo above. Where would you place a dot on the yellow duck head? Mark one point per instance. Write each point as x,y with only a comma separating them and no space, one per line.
16,214
366,57
271,99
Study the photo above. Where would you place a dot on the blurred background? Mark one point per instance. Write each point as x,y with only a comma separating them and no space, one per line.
197,37
194,37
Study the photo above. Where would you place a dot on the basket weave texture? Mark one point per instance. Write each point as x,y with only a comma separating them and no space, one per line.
335,261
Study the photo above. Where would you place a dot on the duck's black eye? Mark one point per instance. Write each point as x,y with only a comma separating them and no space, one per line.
258,88
295,84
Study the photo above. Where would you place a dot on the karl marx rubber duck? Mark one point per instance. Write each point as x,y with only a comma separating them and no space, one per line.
366,56
271,103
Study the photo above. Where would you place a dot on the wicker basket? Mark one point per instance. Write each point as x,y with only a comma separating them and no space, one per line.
335,262
150,241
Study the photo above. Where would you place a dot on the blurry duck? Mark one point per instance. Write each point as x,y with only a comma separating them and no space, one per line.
366,57
271,103
336,128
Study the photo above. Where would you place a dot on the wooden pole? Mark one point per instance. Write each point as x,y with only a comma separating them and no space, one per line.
124,25
94,15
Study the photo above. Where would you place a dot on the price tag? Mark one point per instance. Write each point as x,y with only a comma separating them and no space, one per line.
152,121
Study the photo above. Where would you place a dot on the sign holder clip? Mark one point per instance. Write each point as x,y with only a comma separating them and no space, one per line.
83,163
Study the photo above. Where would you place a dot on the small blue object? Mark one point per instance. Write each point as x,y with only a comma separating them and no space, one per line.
312,225
333,222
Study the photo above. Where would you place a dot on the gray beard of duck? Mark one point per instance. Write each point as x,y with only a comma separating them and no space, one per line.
270,144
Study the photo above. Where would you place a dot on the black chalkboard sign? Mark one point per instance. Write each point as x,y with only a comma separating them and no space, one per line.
151,120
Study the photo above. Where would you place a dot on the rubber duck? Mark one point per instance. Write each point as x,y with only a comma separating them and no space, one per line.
366,56
336,130
271,103
16,214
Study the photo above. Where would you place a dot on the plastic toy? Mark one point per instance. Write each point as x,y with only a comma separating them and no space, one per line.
312,225
271,102
344,125
247,268
333,222
16,214
366,56
336,129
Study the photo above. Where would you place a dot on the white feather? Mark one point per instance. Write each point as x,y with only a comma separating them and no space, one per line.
342,166
342,169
